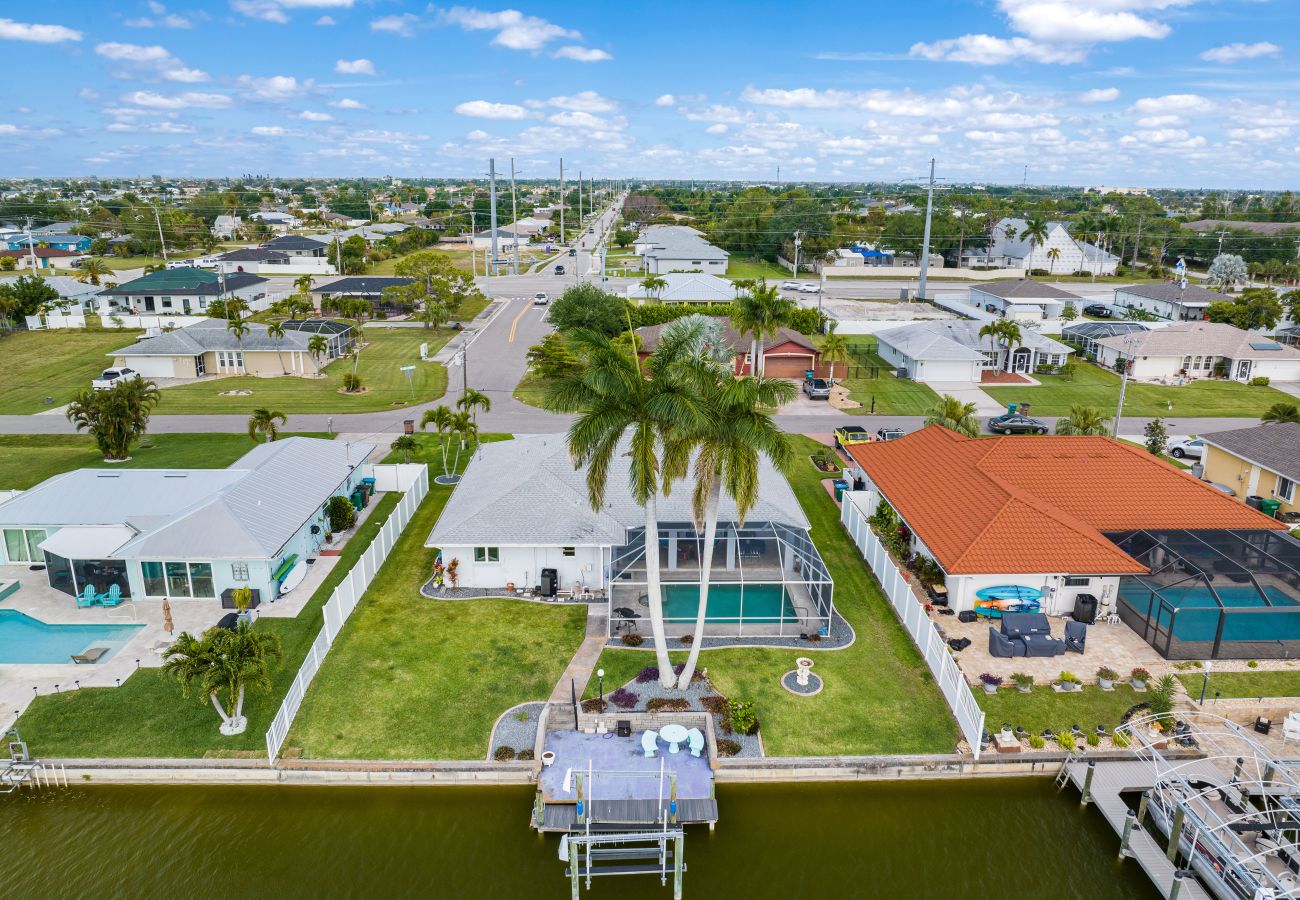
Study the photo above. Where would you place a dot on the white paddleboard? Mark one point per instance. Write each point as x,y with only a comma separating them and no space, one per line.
294,578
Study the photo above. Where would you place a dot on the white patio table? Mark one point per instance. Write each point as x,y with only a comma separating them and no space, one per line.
674,734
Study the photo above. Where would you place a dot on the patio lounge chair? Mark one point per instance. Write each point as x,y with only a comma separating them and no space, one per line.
90,657
695,740
113,597
650,743
87,597
1076,635
1003,647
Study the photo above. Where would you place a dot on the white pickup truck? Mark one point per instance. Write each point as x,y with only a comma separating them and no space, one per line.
112,377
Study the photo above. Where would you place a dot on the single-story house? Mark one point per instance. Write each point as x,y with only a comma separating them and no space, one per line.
1073,516
184,534
1023,299
184,291
687,288
1196,349
952,350
1261,462
1085,335
46,258
259,261
1011,249
371,234
77,243
210,348
358,287
338,334
278,222
507,238
84,296
678,248
654,234
226,227
296,245
520,518
1176,300
788,355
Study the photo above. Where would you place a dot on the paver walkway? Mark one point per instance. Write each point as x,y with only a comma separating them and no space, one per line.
584,660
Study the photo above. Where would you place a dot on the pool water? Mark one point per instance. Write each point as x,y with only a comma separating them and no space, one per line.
1198,614
27,640
762,603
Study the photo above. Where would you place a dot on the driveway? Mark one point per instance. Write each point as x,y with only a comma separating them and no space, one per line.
968,393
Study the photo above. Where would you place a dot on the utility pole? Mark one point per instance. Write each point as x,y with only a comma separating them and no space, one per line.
473,253
492,180
161,240
925,241
31,245
579,206
561,200
1137,244
1222,234
798,242
514,217
1123,384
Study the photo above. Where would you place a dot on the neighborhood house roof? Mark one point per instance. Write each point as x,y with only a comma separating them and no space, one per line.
738,342
212,334
689,287
253,254
67,287
1094,330
1192,295
1274,446
248,511
1024,289
294,242
1200,338
185,280
527,492
957,340
41,253
678,242
362,285
1039,504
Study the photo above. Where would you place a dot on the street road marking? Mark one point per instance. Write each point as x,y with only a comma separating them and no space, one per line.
515,324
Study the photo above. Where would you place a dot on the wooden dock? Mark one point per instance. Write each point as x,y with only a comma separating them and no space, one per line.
1111,778
564,816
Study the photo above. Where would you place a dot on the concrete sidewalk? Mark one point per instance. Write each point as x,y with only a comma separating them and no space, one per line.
584,660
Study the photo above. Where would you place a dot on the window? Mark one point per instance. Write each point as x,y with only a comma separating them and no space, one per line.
1187,363
23,545
487,554
1076,581
1197,364
177,579
570,551
1285,489
1209,363
239,571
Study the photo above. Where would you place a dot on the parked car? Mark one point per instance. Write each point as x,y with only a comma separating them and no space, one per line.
817,388
889,434
849,435
559,270
540,299
789,285
809,287
1186,447
1100,310
112,377
573,251
1015,423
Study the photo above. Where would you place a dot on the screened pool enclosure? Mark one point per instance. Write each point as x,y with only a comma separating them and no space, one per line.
767,580
1214,594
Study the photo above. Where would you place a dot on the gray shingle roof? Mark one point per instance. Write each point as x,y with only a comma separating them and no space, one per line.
1198,338
252,254
1024,288
212,334
526,492
689,287
958,340
362,285
678,242
294,242
1171,292
1274,446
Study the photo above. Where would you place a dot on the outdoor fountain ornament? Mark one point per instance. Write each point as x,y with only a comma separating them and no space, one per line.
804,665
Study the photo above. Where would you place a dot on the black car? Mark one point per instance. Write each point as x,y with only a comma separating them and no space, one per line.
1100,310
1015,423
573,251
559,270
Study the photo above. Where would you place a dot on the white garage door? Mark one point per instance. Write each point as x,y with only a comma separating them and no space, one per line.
153,366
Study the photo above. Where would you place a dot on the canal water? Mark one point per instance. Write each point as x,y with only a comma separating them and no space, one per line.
1005,838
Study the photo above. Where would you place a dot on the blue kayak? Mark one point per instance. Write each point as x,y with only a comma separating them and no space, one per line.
1014,592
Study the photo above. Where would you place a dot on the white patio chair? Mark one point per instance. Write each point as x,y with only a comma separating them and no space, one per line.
650,743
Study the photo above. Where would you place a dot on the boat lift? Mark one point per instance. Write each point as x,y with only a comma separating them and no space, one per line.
20,770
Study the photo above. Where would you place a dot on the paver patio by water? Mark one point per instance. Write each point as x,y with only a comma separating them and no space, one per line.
608,753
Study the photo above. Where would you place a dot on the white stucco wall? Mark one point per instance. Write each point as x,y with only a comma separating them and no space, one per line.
1058,600
523,566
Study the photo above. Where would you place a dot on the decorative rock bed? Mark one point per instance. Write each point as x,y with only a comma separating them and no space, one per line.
790,681
515,732
751,745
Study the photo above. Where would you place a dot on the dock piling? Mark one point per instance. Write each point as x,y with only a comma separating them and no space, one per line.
1130,819
679,853
1086,796
1175,835
1177,884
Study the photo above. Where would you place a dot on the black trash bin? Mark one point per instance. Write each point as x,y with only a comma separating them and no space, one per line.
1085,609
550,578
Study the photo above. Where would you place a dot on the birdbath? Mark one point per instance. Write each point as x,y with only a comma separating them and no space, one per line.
804,665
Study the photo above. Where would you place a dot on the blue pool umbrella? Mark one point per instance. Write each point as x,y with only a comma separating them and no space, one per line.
1010,592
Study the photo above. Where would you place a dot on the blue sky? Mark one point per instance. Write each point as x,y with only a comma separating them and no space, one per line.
1180,93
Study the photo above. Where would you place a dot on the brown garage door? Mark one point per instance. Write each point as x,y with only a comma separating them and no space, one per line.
786,366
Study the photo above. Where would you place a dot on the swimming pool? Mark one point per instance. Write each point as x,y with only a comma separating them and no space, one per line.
1195,616
24,640
762,603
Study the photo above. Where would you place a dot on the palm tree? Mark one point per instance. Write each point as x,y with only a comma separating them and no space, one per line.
1052,256
472,401
93,270
834,348
760,313
1035,231
613,397
318,346
303,284
1282,413
264,421
654,285
225,663
440,417
275,331
433,313
462,425
405,443
1006,331
1083,420
115,417
954,415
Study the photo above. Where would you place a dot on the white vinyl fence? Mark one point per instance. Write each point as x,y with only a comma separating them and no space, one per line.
340,606
858,506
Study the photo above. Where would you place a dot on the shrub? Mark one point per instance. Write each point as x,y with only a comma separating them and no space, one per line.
1037,742
504,754
1020,679
624,699
593,705
742,716
697,675
1140,674
1120,739
352,382
524,755
1259,381
1093,739
1161,698
1069,678
647,675
715,704
1081,273
668,704
1107,673
1041,273
340,513
688,639
633,640
1252,664
728,747
993,680
1066,740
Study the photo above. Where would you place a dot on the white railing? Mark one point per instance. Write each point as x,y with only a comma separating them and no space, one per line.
956,692
340,606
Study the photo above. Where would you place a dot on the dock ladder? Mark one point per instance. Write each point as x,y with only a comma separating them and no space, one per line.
1063,776
21,770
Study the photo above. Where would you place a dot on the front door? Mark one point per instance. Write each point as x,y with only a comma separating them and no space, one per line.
200,368
1020,359
1243,370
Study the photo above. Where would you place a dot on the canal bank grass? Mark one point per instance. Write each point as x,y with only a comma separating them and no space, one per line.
28,459
414,678
879,698
147,716
1243,684
1043,708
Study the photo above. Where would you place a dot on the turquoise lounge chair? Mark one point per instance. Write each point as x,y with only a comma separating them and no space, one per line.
87,597
113,597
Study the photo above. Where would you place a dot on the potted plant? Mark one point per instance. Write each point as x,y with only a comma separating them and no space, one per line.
1006,734
1069,681
991,683
1106,677
242,597
1139,678
548,759
1024,683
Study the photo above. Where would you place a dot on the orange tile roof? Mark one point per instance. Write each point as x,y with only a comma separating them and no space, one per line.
1039,503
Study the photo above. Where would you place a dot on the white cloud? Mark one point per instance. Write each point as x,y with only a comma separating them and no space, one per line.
163,19
587,101
277,10
187,100
582,54
308,115
272,131
36,34
586,121
513,29
1159,121
1088,21
155,58
986,50
347,103
354,67
665,100
1266,133
275,89
1192,104
1099,95
8,130
719,128
325,21
173,128
485,109
403,25
1234,52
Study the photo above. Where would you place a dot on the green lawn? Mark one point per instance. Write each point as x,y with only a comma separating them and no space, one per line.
1095,386
879,696
752,267
412,678
27,459
1044,708
139,262
147,716
385,352
462,258
1245,684
529,391
58,364
892,396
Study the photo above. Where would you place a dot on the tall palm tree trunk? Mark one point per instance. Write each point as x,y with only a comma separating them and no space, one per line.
654,591
706,570
753,356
